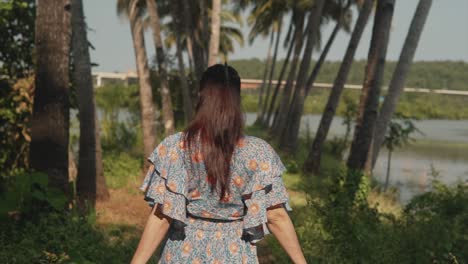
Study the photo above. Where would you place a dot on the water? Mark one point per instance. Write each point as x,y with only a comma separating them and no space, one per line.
443,148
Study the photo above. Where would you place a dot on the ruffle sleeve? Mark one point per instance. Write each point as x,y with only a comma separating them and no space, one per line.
264,189
164,183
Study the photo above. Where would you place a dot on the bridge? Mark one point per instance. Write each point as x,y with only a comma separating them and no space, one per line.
130,77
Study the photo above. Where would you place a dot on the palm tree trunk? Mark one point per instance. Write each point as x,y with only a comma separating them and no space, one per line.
82,80
50,120
281,119
166,101
369,103
146,93
399,76
102,193
278,84
289,138
215,32
389,163
272,71
265,74
187,99
312,163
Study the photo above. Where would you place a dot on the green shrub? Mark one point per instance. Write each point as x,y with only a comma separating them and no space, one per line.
120,168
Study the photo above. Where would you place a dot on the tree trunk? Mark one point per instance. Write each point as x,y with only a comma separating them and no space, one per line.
278,84
102,193
87,163
262,87
389,163
146,94
289,138
215,32
187,98
166,101
281,118
312,163
270,78
399,75
369,103
50,120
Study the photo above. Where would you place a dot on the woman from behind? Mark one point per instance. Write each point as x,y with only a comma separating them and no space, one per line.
214,191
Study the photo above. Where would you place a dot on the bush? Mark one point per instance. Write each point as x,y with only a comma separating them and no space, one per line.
120,168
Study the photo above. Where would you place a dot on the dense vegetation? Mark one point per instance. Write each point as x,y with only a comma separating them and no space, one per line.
423,74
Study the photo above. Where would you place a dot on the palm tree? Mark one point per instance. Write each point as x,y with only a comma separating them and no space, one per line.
369,102
50,119
89,166
288,139
277,28
337,12
133,9
399,75
177,32
281,118
269,114
312,163
166,102
215,32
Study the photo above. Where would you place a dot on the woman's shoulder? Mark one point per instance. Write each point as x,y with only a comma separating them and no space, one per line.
256,143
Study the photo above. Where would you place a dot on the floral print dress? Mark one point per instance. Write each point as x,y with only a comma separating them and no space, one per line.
206,229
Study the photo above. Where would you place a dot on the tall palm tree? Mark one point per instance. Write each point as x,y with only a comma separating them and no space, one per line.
369,102
398,80
312,163
335,11
91,183
50,119
215,32
177,32
269,114
277,29
281,117
133,9
166,101
288,138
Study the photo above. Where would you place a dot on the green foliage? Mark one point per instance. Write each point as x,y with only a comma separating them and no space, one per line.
15,111
412,105
17,33
28,195
423,74
64,238
120,168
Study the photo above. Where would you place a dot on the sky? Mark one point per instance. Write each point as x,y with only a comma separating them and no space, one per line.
445,36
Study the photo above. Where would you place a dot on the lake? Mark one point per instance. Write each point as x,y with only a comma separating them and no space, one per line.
443,148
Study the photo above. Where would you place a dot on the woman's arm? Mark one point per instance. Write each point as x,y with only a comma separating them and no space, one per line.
155,230
282,228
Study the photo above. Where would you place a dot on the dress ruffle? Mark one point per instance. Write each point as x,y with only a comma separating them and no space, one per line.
265,189
164,184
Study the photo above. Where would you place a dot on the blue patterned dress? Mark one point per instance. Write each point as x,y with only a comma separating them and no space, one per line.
205,229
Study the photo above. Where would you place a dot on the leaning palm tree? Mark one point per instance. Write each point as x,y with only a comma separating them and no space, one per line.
166,102
50,119
91,184
134,11
399,76
288,139
265,19
370,92
312,163
215,32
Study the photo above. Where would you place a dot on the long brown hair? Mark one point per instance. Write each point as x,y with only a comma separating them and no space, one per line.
218,122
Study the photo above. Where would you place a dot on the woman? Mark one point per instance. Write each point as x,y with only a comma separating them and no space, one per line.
215,192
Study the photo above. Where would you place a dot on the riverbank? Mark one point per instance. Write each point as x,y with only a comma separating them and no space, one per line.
417,106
